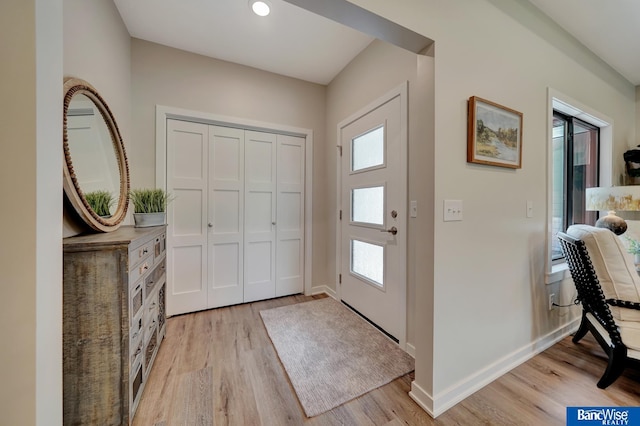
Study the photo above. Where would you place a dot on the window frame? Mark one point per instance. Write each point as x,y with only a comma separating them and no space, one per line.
556,100
569,168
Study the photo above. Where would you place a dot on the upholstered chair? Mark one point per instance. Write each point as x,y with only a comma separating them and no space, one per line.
608,288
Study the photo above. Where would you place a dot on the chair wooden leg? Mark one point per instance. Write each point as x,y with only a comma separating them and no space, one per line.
617,360
582,330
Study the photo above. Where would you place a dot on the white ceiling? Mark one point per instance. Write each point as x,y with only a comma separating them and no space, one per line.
610,29
297,43
290,41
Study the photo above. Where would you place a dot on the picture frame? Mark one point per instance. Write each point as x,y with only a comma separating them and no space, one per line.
494,134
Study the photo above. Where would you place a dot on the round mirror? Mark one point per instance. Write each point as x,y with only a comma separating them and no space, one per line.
96,173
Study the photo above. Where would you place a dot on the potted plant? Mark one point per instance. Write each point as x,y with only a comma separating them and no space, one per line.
100,202
149,206
633,247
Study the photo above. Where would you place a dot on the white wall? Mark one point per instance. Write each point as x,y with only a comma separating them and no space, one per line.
489,292
31,257
175,78
97,48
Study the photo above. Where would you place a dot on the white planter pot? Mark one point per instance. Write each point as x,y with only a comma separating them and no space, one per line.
143,220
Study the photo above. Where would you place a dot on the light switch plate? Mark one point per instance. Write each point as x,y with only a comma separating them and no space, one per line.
452,210
413,208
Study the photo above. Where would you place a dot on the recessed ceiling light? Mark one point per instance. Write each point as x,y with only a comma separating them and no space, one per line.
260,7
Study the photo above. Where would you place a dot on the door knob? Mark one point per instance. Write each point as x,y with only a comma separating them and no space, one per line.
392,231
210,225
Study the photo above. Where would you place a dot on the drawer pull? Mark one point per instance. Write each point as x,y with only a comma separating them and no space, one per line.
137,287
145,250
153,324
144,268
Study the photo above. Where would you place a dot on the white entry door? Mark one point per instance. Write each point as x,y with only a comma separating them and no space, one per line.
236,224
374,214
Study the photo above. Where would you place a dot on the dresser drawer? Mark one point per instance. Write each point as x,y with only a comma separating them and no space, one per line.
137,327
160,245
138,254
155,276
136,385
141,269
137,348
137,299
150,350
151,313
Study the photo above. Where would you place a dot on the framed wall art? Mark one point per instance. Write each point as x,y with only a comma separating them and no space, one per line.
494,134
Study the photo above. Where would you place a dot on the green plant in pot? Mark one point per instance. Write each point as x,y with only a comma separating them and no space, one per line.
149,206
100,202
633,247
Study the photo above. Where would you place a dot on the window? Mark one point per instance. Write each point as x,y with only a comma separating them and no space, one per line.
575,167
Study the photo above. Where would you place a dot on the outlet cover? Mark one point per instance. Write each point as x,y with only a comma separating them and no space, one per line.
452,210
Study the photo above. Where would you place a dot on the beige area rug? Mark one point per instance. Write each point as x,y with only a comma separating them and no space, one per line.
331,354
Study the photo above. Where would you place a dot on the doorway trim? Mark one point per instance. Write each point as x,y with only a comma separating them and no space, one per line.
164,113
402,91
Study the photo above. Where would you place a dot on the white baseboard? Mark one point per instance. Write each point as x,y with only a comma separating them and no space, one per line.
456,393
411,350
319,289
422,398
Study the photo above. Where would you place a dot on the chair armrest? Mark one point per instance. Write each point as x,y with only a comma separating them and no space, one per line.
624,304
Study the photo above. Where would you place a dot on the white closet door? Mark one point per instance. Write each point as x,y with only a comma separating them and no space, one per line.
187,146
236,226
226,213
290,217
260,216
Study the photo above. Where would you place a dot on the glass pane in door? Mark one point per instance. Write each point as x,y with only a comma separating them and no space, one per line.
367,205
367,150
367,260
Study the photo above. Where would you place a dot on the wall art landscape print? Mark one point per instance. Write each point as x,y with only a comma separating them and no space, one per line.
494,134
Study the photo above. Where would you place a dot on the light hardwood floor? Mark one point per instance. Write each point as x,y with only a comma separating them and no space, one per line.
219,367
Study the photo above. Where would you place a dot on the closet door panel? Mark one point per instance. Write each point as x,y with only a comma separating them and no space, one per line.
225,254
187,269
260,217
290,215
227,156
187,181
188,214
227,205
226,216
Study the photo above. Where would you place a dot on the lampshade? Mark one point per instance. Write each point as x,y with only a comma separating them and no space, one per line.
615,198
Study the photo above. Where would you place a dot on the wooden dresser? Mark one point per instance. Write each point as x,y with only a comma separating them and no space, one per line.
113,321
